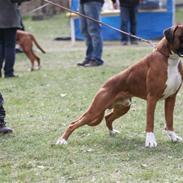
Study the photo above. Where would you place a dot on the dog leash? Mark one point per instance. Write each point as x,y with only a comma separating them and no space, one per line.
38,8
90,18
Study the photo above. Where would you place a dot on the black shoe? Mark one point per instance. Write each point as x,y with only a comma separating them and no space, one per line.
5,130
11,76
124,43
134,42
83,63
94,63
18,50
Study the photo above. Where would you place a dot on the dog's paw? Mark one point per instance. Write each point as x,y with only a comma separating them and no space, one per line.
173,136
61,141
150,140
113,132
38,67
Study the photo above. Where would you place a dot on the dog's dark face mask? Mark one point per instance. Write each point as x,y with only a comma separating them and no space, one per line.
174,36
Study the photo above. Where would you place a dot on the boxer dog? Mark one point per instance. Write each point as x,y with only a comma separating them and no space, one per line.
156,77
26,40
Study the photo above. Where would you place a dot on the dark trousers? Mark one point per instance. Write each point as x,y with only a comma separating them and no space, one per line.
128,17
7,50
2,112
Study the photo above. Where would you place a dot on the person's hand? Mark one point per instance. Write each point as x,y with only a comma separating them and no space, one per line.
115,5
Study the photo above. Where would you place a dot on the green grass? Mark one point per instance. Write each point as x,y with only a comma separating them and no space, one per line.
179,15
41,104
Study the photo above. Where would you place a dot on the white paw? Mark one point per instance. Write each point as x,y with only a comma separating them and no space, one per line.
113,132
61,141
173,136
150,140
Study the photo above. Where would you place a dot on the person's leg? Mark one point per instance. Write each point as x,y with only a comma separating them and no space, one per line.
93,9
124,14
1,50
84,31
10,41
133,23
3,128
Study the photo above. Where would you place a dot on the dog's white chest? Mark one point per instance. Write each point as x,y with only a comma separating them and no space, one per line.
174,79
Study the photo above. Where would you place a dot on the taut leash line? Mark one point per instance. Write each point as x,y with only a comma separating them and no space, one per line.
40,7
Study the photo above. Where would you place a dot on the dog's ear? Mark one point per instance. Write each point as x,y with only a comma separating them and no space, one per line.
168,33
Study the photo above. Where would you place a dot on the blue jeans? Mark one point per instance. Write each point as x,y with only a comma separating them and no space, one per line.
7,50
92,31
128,16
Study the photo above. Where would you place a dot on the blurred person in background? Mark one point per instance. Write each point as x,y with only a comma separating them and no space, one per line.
3,128
9,23
128,13
92,32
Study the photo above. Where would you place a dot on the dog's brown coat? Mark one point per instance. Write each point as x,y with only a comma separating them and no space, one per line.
26,40
146,80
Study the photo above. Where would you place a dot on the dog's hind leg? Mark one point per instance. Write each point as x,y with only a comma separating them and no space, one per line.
97,120
38,61
87,118
94,114
119,109
31,58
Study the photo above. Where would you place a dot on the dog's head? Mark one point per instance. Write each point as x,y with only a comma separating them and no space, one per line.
174,36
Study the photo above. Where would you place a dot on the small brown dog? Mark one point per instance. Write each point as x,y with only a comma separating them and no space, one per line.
26,40
156,77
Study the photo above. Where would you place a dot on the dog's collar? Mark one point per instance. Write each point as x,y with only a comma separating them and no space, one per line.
167,56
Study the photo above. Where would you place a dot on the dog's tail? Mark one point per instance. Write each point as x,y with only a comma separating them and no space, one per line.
36,43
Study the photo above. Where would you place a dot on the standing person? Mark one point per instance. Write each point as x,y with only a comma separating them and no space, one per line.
9,22
92,32
128,13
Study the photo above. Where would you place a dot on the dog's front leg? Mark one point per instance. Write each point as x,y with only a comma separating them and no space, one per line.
169,108
150,137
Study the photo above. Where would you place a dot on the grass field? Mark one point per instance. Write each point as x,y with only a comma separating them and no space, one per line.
41,104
